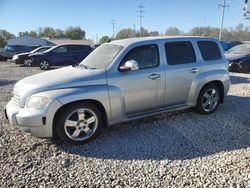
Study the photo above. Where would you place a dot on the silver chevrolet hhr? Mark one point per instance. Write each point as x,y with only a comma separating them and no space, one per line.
121,81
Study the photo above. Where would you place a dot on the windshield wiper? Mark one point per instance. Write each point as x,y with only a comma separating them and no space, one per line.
82,65
75,65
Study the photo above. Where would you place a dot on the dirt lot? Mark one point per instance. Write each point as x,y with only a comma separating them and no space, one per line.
169,150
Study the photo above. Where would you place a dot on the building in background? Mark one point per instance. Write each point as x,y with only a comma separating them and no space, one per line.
69,41
36,41
29,41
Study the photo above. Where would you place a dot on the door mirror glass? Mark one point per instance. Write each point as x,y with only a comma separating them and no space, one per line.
130,65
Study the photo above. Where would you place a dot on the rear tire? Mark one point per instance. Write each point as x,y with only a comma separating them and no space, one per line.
78,123
208,100
44,65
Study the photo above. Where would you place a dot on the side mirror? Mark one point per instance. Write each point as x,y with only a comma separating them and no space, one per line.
130,65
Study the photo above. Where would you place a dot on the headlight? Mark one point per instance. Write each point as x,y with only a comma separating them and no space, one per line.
15,57
37,103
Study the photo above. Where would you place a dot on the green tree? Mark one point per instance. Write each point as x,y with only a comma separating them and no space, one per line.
125,33
205,31
4,36
144,32
59,33
104,39
23,33
75,33
173,31
153,33
47,32
31,33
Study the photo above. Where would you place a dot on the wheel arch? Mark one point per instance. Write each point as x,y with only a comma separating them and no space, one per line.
97,103
219,84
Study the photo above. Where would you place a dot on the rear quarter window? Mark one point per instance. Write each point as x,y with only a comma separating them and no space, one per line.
209,50
179,53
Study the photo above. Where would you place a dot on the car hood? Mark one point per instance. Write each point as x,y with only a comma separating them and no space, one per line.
23,54
233,57
67,77
37,54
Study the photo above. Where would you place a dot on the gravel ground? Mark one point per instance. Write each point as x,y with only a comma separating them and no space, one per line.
181,149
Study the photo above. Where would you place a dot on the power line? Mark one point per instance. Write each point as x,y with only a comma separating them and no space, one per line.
222,16
141,11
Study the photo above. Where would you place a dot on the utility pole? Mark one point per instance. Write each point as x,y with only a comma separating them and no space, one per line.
141,11
113,24
222,17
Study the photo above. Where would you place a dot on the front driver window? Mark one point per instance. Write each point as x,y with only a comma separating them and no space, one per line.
146,56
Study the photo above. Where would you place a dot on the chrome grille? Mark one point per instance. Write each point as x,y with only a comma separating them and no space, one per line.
16,97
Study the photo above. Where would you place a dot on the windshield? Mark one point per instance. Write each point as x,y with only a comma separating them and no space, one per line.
40,49
241,49
101,57
50,49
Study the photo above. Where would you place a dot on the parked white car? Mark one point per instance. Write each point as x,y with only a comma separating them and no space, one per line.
121,81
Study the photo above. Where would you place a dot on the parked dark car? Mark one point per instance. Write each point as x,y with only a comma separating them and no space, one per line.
228,45
238,58
23,58
94,46
10,50
61,55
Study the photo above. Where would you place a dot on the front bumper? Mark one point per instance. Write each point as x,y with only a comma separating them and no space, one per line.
37,123
17,61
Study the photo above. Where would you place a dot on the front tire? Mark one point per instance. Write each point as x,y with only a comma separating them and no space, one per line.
208,100
78,123
27,62
44,65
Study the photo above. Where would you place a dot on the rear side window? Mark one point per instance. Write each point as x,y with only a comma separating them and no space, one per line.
209,50
179,53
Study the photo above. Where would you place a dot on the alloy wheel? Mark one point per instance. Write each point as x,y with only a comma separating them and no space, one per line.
210,100
44,65
81,124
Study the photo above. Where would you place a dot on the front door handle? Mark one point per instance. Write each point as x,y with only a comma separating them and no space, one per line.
154,76
194,70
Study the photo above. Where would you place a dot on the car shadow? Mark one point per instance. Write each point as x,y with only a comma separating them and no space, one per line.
239,79
173,136
6,82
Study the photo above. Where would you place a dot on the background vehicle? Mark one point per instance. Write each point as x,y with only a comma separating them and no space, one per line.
94,46
61,55
238,58
23,58
121,81
228,45
10,50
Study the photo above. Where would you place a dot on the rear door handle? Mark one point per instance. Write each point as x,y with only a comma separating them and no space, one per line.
154,76
194,70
